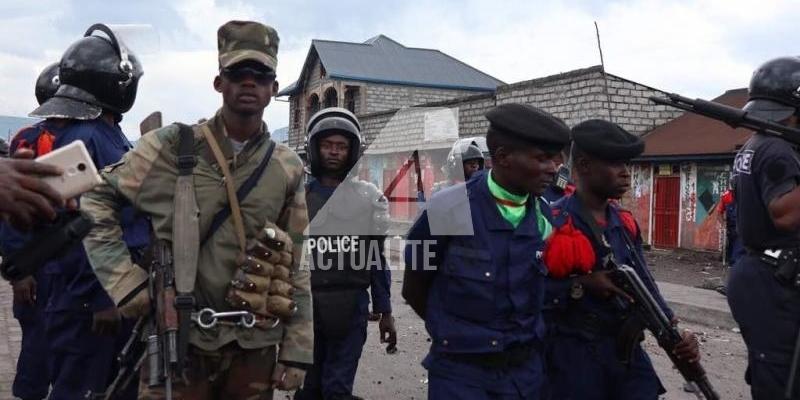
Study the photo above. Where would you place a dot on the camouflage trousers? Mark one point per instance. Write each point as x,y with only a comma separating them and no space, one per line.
230,373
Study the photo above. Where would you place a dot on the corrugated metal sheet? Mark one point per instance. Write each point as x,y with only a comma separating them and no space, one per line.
692,135
382,60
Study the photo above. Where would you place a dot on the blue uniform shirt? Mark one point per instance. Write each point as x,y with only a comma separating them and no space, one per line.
488,288
558,290
75,286
765,168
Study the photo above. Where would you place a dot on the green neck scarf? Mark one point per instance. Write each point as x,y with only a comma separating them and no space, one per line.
512,208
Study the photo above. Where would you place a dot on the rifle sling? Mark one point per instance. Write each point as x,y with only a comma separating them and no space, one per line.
597,233
235,199
185,239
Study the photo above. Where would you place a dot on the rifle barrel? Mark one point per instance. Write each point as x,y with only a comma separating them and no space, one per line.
734,117
705,387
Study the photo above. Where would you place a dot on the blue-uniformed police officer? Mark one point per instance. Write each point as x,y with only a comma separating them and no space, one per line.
473,270
98,81
463,160
349,218
583,319
31,380
761,294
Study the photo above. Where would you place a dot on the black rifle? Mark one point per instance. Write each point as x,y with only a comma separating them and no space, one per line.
129,361
648,314
47,243
735,117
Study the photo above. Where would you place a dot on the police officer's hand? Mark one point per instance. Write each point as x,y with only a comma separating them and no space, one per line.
599,284
25,291
287,378
24,197
388,332
106,322
137,306
688,349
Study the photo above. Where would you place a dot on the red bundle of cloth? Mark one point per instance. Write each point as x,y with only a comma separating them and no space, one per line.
568,251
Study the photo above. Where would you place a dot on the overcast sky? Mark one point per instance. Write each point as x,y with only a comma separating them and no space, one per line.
698,48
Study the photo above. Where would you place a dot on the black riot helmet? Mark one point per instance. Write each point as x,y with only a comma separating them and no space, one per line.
96,73
774,91
461,152
47,83
332,120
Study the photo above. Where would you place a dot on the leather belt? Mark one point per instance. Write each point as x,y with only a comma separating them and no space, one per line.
514,356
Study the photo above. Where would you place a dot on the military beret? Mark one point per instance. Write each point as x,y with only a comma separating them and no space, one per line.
606,140
530,124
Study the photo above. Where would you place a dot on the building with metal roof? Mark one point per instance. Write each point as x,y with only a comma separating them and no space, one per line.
377,75
680,177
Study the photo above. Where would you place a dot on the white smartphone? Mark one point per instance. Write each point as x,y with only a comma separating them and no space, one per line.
80,174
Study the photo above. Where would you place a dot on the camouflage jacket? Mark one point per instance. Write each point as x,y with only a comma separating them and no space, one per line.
146,178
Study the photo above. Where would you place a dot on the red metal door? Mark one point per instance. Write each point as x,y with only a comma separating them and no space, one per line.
666,211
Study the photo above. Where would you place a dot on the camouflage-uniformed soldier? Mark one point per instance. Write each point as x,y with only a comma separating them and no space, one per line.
228,361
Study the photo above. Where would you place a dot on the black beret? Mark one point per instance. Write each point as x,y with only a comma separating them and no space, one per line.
529,123
606,140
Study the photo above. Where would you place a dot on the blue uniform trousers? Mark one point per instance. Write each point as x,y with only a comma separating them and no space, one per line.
768,314
32,379
581,369
79,360
450,379
336,359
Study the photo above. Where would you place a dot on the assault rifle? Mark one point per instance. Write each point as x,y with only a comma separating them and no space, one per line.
165,352
649,315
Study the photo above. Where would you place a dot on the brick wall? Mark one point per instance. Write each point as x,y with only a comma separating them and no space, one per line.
371,98
579,95
380,97
573,96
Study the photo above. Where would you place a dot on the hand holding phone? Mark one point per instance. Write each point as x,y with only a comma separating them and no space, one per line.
80,175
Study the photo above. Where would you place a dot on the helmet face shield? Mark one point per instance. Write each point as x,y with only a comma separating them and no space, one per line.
96,72
461,152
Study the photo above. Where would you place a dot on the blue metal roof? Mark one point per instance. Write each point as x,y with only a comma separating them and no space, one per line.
382,60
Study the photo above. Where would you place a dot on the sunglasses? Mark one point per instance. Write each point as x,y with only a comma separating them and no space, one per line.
240,74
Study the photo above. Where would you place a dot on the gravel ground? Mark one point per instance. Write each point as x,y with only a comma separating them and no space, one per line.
685,267
400,376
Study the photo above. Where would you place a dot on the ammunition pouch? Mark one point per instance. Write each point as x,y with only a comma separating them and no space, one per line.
262,281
